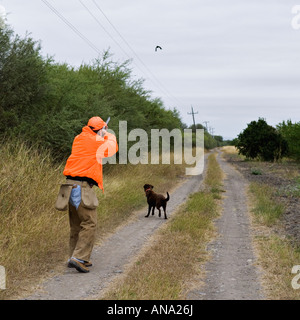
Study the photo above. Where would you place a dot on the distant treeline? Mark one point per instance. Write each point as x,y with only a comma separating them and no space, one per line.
210,141
47,103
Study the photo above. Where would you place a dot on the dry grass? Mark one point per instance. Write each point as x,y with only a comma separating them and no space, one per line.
277,258
166,269
33,235
229,149
276,255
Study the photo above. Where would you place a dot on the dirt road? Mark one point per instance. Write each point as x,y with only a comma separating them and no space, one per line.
110,258
231,273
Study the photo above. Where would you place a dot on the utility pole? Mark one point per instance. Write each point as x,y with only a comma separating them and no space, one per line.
206,122
193,114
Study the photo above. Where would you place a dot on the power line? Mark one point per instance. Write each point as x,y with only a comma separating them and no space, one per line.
116,30
70,25
162,88
99,23
158,84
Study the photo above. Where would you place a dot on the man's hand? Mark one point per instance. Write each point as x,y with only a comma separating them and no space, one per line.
102,132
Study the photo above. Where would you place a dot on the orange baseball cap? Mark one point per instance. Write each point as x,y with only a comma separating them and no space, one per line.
97,123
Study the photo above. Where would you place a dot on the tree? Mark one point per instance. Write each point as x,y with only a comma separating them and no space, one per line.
291,133
47,103
260,140
22,78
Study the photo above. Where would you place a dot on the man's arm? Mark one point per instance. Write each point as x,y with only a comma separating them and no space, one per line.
108,145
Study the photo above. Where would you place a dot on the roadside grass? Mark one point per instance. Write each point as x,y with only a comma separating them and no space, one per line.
277,258
33,235
276,254
266,210
167,268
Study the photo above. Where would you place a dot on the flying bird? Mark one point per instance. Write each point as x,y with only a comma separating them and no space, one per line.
158,47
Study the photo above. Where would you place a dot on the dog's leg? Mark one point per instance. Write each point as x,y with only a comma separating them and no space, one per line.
153,210
159,212
165,211
149,209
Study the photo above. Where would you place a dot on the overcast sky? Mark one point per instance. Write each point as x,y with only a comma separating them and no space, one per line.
232,60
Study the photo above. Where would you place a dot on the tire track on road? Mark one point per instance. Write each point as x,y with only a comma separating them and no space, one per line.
231,273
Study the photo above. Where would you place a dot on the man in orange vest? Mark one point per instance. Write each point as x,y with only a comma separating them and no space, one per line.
84,170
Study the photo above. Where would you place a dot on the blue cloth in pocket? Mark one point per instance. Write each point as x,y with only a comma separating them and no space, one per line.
75,197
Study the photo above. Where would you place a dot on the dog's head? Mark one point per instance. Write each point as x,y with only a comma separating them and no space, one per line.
148,187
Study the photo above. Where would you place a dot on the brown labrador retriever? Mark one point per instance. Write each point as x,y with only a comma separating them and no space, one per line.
155,200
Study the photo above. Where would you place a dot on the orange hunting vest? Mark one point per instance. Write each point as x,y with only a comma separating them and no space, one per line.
87,151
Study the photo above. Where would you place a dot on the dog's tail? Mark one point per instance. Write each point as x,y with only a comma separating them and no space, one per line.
168,196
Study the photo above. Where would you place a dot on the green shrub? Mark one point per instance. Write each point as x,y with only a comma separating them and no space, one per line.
291,133
47,103
260,140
